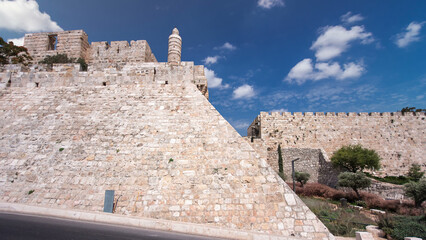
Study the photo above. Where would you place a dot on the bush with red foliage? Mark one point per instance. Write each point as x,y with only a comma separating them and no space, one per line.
371,200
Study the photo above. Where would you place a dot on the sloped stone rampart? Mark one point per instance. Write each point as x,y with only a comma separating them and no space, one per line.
399,139
159,144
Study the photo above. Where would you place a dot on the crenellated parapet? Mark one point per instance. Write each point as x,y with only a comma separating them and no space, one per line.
339,114
104,54
399,138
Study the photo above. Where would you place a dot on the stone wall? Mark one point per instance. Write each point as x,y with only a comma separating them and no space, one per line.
149,135
73,43
399,139
129,74
312,161
104,55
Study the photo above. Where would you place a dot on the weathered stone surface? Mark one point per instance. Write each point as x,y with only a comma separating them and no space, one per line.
399,139
146,131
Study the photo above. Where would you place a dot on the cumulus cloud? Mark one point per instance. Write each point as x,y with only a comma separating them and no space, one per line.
351,18
306,70
410,35
245,91
226,46
25,16
268,4
213,81
17,41
334,40
211,60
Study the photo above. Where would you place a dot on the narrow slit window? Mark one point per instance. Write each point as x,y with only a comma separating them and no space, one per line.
167,82
53,42
104,83
37,84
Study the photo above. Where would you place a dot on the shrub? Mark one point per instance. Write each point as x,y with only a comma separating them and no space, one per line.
399,180
63,58
355,181
415,173
58,58
340,221
355,158
399,227
416,191
302,177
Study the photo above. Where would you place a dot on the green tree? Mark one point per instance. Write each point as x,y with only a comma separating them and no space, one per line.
415,173
280,163
9,53
412,109
416,191
302,177
355,181
355,158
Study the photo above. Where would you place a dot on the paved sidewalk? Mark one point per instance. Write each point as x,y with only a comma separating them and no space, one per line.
148,223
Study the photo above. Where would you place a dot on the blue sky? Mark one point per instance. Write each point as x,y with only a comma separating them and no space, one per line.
264,55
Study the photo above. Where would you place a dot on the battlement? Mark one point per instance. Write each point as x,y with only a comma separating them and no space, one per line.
104,54
76,45
397,137
339,114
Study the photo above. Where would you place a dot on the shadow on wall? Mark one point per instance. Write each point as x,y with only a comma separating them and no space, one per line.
313,161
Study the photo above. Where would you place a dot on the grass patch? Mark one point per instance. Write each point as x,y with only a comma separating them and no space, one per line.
399,180
340,221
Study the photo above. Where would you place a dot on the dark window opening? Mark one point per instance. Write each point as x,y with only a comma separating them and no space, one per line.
53,42
37,84
167,82
155,71
104,83
118,50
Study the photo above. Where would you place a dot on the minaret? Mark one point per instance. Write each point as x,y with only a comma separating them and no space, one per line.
175,48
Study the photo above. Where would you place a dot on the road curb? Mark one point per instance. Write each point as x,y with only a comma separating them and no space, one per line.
147,223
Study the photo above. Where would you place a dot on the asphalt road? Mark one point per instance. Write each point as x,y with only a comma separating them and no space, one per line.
19,226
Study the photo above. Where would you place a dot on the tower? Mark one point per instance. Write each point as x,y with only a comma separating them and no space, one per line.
175,48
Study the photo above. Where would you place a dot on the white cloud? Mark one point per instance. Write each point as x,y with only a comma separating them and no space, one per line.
240,124
411,35
213,81
268,4
305,70
226,46
211,60
301,72
350,18
17,41
244,91
336,39
420,97
25,16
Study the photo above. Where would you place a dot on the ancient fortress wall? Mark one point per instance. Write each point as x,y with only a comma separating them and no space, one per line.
399,139
146,131
73,43
119,52
76,45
